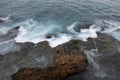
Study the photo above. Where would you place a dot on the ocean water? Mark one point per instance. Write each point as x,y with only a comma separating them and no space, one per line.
63,19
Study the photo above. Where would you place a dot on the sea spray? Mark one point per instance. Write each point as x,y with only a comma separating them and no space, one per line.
110,27
6,19
94,66
8,46
36,32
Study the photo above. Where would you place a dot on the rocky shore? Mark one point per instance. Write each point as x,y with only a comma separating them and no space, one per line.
69,61
73,60
64,66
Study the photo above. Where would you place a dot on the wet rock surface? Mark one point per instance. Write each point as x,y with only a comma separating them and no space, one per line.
64,66
41,62
30,55
69,60
103,57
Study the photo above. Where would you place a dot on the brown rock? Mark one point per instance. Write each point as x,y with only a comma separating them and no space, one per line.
65,65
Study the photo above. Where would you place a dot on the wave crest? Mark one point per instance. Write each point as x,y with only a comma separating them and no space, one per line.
33,31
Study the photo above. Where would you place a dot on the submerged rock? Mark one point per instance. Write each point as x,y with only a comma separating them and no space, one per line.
50,36
1,21
10,34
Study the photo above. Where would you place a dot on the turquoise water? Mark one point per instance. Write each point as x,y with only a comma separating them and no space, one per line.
39,18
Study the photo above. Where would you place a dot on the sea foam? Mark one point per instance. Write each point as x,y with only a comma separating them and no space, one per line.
6,19
109,27
35,32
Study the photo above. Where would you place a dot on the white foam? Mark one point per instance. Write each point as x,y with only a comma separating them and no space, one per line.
34,32
53,42
71,28
116,35
6,19
57,41
110,27
31,31
87,33
84,34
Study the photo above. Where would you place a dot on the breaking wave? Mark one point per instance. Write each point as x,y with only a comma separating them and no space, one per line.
35,32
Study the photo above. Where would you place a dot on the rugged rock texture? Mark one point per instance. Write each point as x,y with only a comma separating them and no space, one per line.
103,54
64,66
39,62
69,60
